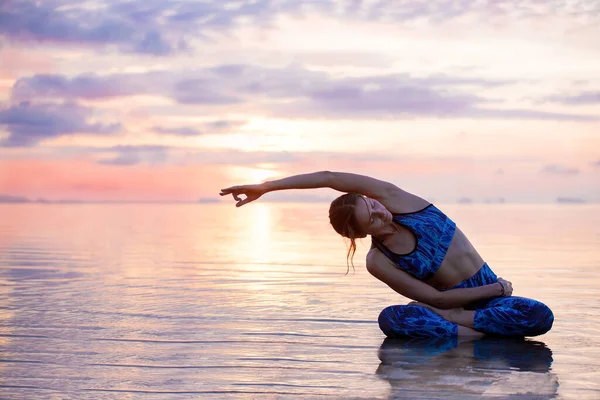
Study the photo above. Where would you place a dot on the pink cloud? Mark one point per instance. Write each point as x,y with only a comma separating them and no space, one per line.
16,62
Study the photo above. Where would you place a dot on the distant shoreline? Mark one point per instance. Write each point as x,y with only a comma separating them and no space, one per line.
459,203
10,199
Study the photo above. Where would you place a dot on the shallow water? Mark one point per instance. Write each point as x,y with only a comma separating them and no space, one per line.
206,300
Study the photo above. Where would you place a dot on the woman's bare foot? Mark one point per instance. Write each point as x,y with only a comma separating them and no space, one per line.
459,316
446,314
443,313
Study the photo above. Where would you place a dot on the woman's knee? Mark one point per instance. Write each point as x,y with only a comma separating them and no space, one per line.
414,321
388,320
541,318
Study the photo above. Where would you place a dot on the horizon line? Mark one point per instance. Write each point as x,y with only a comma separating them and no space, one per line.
11,198
300,201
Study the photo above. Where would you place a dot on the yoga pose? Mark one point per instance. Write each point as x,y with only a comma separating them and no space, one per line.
420,253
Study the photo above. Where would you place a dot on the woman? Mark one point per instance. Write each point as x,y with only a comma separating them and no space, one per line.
421,254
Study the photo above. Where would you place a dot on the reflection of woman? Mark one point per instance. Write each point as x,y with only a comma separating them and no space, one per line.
488,352
421,368
420,253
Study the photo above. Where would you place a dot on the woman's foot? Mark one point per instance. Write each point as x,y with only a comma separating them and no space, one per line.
446,314
461,317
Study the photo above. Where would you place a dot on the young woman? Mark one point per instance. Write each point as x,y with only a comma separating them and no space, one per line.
420,253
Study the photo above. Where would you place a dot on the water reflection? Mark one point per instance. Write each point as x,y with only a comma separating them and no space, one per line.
205,300
432,368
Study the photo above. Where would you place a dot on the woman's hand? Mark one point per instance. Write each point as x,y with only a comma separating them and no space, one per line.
252,192
507,288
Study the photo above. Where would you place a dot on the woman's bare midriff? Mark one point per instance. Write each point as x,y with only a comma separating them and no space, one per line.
461,262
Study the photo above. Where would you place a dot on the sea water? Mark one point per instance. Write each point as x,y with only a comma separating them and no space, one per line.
144,301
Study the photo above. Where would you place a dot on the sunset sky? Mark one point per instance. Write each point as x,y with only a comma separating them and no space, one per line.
169,100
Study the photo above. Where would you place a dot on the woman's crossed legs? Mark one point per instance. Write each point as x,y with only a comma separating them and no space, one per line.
504,316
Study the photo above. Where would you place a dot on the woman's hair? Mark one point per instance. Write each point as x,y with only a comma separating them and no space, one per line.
341,217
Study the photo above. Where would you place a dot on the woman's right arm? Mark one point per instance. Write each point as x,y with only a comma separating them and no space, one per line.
252,192
382,268
340,181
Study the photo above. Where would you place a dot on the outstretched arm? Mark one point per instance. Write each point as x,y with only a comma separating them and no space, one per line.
381,268
341,181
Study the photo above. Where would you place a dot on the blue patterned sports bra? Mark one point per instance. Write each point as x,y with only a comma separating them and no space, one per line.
433,232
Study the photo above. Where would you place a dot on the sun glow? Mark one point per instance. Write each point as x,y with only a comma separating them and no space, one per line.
260,174
254,174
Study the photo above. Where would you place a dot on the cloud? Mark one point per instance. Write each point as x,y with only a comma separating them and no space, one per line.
134,155
596,164
147,27
229,157
149,154
122,159
212,127
557,169
161,28
294,92
174,155
97,186
584,98
182,131
153,43
527,114
28,124
154,155
484,10
202,91
220,126
393,100
85,86
238,83
73,23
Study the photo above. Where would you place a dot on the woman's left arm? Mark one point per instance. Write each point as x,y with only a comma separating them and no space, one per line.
381,268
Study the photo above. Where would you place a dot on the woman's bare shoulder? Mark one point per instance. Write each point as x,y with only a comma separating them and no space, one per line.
376,259
401,201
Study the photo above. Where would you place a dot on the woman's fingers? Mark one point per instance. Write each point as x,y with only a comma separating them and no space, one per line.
234,190
508,285
242,202
250,193
508,289
230,190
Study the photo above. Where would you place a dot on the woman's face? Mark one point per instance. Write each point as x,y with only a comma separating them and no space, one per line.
371,216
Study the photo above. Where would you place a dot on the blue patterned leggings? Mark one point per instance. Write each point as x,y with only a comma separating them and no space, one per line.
505,316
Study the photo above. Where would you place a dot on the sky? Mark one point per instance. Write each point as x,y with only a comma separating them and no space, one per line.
172,100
